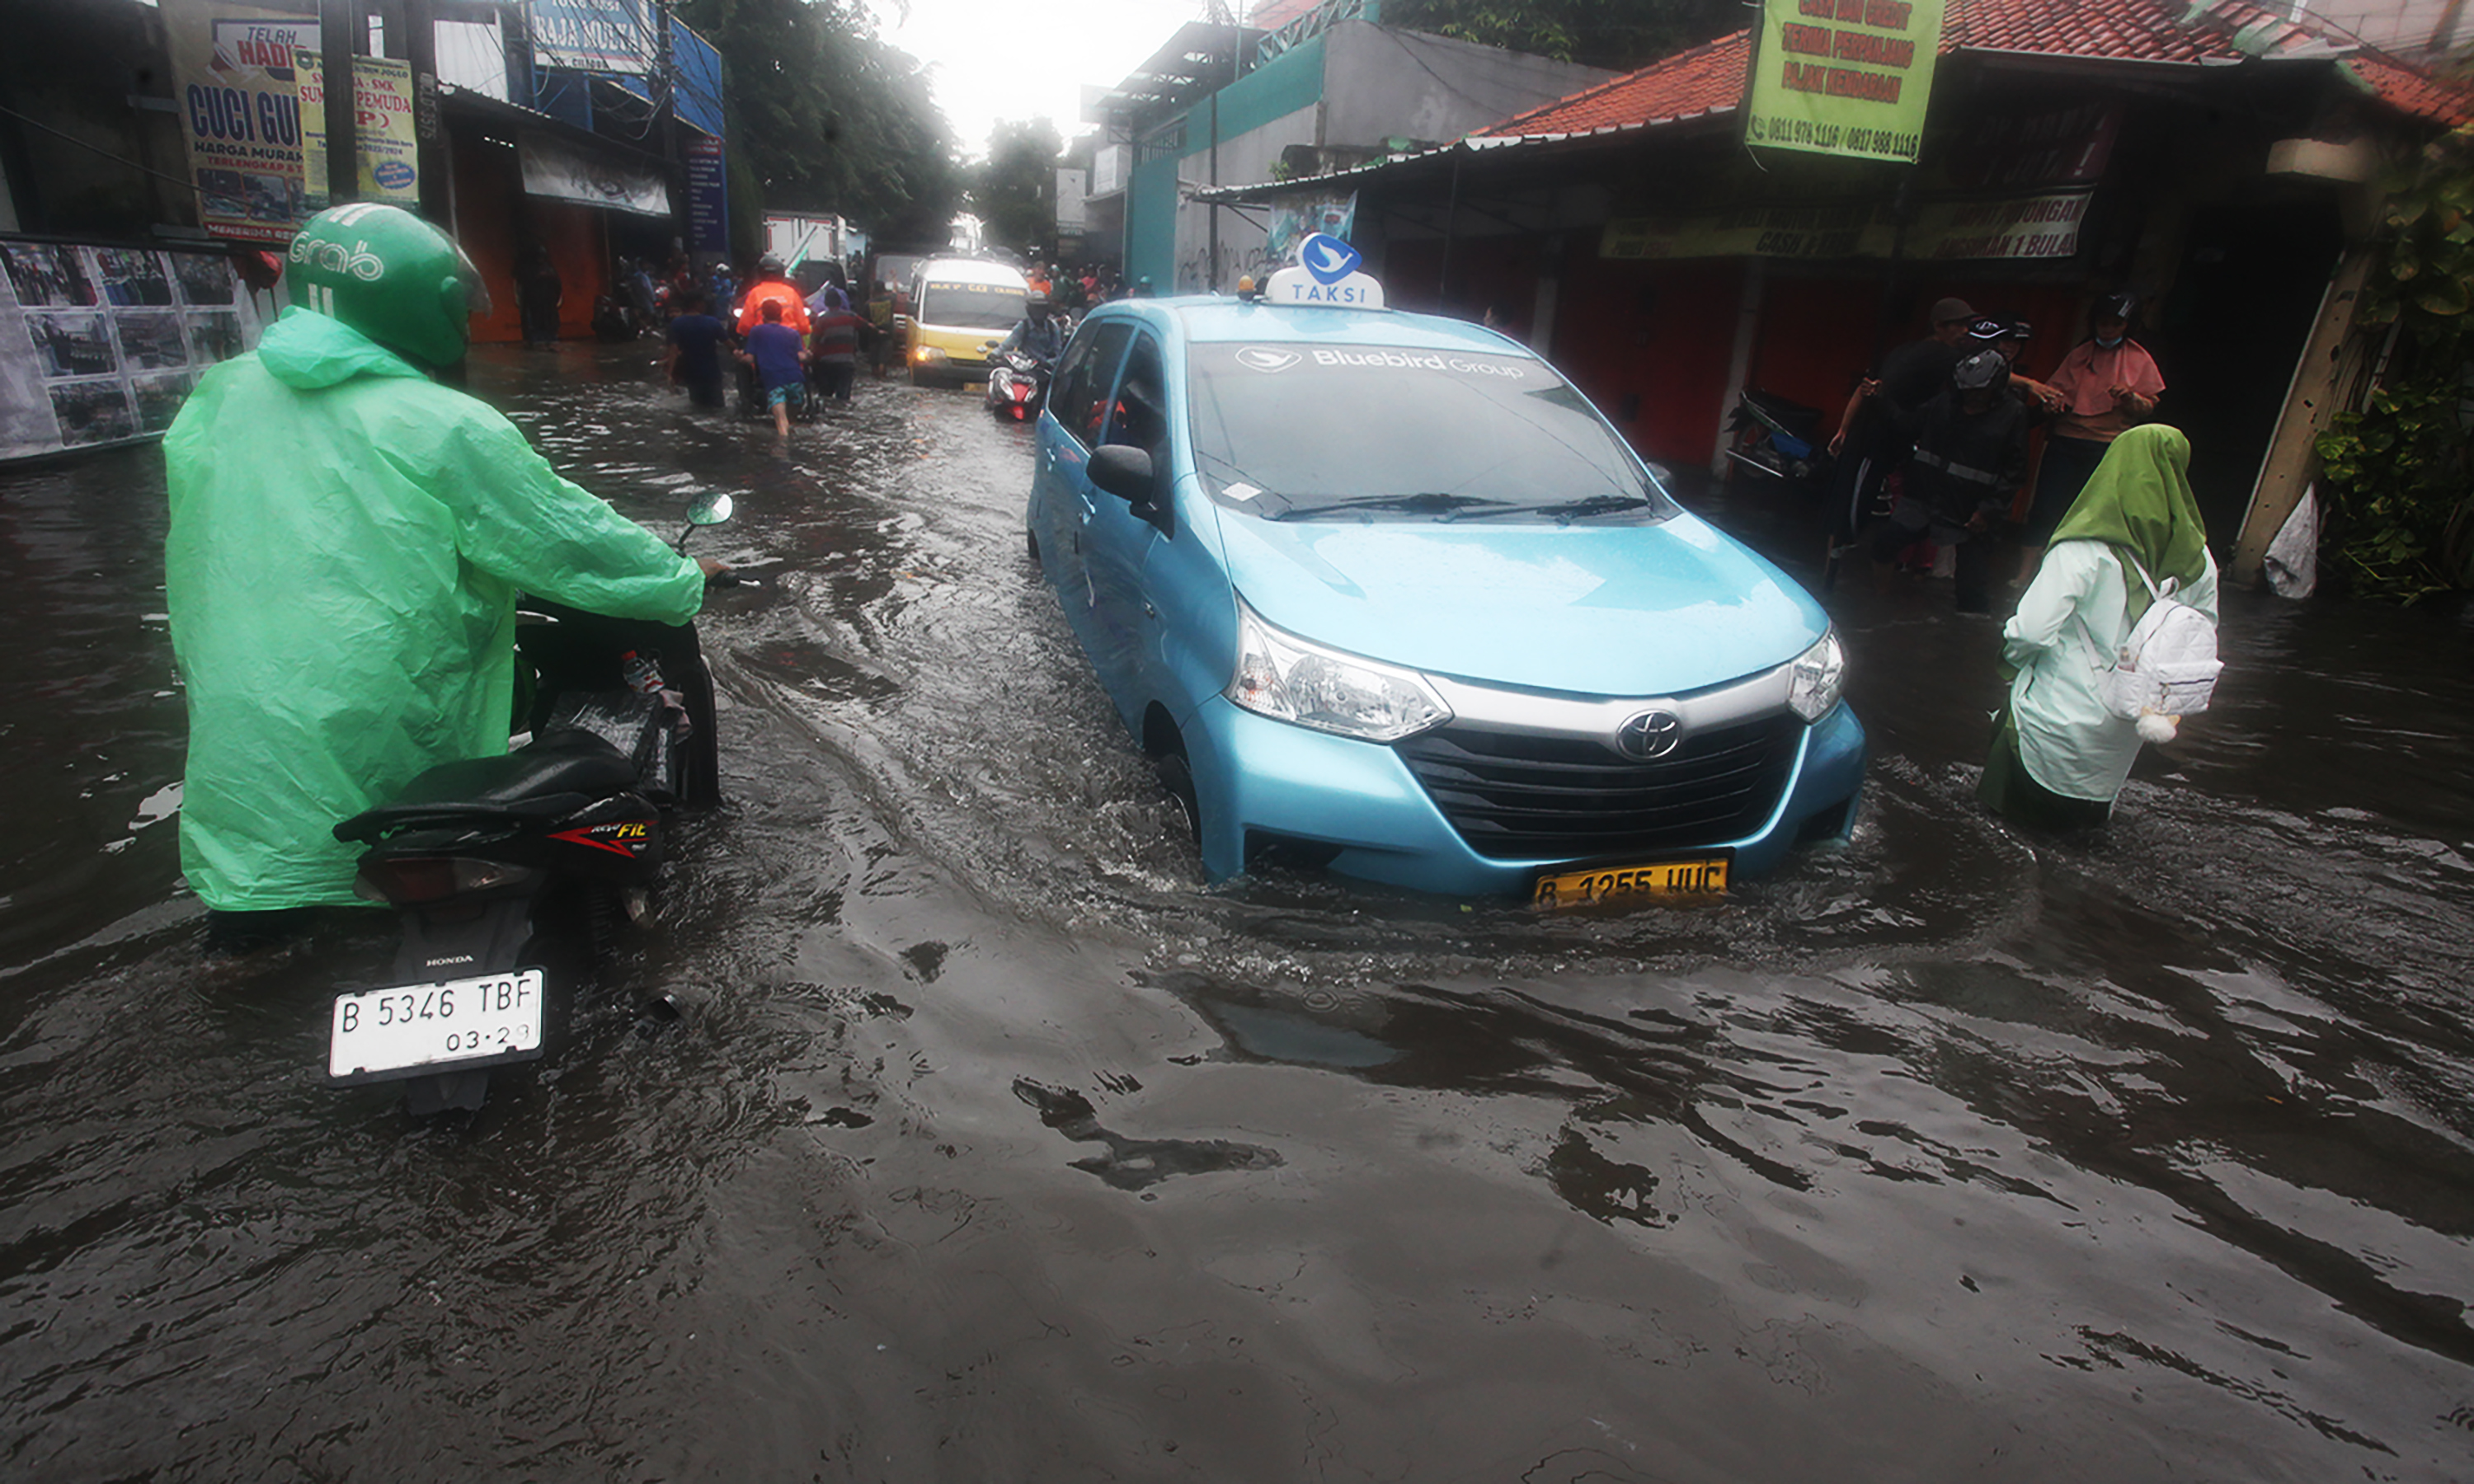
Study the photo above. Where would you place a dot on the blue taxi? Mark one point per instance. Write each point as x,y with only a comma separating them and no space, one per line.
1383,592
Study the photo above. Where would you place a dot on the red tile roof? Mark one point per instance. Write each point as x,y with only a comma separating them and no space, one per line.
1709,78
2409,90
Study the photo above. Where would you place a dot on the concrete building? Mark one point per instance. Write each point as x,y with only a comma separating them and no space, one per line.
1226,105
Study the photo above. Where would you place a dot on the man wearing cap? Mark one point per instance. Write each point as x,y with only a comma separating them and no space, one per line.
1868,443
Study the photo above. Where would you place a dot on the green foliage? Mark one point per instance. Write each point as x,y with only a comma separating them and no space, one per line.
829,117
1621,35
2401,468
1013,193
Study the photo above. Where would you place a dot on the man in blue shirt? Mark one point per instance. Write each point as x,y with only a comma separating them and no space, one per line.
773,349
695,353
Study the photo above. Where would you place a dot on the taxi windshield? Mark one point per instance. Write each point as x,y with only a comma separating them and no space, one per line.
1379,432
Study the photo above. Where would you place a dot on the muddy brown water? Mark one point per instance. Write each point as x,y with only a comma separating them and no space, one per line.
991,1145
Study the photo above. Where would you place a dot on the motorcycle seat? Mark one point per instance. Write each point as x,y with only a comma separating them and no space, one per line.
561,771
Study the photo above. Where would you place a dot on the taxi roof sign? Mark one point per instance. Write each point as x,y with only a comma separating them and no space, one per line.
1327,274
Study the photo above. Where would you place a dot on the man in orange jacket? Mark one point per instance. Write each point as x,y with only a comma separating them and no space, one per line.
772,283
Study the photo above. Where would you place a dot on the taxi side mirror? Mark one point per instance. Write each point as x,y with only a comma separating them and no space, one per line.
1124,471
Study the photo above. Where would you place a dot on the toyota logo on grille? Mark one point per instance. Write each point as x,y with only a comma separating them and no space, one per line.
1651,734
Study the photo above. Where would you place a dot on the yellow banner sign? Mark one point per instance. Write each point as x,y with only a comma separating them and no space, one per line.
382,123
1843,76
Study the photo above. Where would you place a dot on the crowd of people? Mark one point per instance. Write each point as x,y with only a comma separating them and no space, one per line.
1933,454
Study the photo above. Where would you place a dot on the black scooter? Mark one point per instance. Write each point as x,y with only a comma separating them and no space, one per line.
509,873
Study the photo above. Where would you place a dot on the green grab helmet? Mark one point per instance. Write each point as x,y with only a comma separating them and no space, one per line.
391,276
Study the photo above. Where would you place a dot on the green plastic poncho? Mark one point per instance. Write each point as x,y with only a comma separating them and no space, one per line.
346,542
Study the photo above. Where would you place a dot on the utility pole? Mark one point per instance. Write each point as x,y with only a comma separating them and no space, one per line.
342,30
428,129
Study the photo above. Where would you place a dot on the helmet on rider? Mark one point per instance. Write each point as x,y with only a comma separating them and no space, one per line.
1981,370
392,276
772,263
1035,304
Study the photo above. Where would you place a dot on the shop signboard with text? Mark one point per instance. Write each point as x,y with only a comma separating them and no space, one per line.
708,196
2012,228
1850,77
233,66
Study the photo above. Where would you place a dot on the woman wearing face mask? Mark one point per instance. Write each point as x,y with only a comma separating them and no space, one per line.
2107,384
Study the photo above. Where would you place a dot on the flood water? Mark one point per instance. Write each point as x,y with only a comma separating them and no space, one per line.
993,1145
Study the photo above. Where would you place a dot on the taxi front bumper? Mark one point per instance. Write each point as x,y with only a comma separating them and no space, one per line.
1261,781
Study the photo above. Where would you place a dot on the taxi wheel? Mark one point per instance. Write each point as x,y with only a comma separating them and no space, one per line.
1176,775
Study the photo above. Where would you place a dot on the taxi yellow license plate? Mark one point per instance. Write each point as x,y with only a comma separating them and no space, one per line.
1702,877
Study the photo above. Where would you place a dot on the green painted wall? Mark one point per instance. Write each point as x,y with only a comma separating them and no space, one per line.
1151,224
1293,81
1288,83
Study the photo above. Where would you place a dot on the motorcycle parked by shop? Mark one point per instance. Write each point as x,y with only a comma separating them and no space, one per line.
1772,438
508,873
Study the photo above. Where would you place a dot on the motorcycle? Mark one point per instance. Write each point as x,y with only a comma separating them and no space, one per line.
1775,439
1017,386
508,873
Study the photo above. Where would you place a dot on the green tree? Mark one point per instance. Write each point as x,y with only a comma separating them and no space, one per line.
830,117
1621,35
2400,468
1013,192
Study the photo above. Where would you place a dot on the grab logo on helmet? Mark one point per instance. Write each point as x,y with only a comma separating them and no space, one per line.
334,258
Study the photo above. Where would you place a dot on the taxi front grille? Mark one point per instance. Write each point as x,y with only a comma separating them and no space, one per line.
1516,796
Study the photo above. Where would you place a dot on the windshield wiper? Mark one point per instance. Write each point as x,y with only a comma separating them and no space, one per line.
1424,503
1564,514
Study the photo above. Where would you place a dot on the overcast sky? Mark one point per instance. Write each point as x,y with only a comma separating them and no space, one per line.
1019,59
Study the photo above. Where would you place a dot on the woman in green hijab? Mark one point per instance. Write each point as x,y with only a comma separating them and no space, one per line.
2059,756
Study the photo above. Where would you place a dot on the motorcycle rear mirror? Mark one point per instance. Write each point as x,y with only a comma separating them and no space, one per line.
711,510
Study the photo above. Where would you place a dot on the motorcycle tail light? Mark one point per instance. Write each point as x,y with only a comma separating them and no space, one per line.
417,878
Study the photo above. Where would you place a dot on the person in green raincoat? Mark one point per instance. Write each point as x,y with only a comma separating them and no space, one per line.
2059,757
346,542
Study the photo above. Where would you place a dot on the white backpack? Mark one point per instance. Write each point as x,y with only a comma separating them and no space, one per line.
2167,665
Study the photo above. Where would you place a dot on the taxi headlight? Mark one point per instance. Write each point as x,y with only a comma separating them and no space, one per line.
1820,676
931,353
1289,678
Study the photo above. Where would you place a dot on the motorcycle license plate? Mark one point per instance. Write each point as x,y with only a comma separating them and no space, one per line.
414,1029
1705,877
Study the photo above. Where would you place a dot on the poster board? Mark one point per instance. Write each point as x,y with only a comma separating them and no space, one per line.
384,135
1848,78
240,110
101,345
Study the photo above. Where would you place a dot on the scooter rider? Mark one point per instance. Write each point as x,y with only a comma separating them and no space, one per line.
1040,336
346,544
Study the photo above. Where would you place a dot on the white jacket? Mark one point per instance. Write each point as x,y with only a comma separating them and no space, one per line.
2070,743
